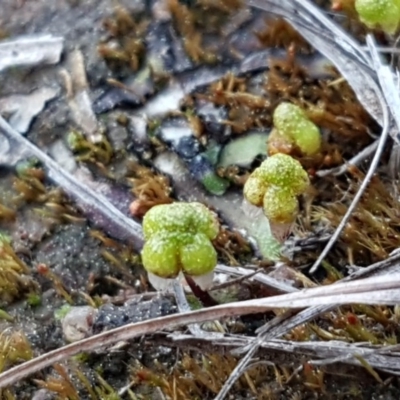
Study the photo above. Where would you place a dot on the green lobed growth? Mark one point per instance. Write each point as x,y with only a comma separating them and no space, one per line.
275,186
293,125
384,14
178,238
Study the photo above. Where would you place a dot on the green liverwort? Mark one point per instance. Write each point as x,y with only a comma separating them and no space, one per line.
293,128
275,186
379,13
178,239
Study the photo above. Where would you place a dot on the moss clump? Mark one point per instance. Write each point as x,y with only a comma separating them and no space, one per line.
149,188
6,213
124,48
86,151
12,272
14,348
178,237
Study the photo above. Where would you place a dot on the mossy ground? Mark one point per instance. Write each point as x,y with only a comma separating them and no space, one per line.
56,258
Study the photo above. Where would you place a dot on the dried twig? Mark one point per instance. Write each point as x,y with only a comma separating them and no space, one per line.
101,212
359,194
183,306
259,277
78,98
380,290
272,329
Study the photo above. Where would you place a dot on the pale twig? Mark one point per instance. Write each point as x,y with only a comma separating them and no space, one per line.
376,290
235,281
385,75
262,278
95,205
357,197
242,364
290,352
386,267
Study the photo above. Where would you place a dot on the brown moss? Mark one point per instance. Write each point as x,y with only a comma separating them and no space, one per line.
199,377
314,378
6,213
373,230
185,23
72,383
231,245
59,287
121,261
234,174
62,385
124,47
30,187
226,6
121,23
97,153
14,279
279,33
245,110
149,188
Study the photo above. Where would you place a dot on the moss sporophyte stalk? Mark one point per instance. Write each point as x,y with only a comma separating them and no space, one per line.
178,240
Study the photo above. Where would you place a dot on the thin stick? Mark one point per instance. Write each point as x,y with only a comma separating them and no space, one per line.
102,212
184,306
382,72
376,290
359,194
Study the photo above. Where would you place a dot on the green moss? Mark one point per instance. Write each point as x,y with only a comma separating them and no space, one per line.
5,316
14,348
62,312
34,300
23,167
214,184
13,272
